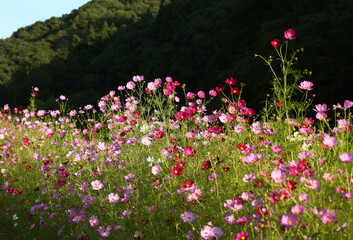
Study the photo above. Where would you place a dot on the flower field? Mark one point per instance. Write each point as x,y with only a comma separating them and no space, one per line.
145,163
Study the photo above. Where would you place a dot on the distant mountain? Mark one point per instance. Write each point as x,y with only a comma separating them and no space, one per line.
92,50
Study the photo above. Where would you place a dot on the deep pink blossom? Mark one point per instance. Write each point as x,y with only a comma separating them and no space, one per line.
289,34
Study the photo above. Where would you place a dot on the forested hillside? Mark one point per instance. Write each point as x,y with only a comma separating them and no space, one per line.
104,43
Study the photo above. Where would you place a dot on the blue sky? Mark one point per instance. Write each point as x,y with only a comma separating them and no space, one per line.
15,14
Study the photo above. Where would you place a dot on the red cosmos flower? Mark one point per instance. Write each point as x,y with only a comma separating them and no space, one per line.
189,152
230,81
133,122
235,91
188,183
226,169
206,165
220,88
291,185
242,147
275,43
176,171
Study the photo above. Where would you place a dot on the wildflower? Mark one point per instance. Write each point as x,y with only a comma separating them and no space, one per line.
213,177
306,85
321,116
291,185
187,184
304,198
207,232
313,183
188,216
93,221
249,178
156,170
276,149
230,81
97,184
176,171
347,104
130,85
213,93
152,86
220,88
289,220
190,235
320,108
298,210
138,78
229,217
113,198
146,141
103,231
275,42
242,236
329,141
217,232
346,157
278,176
189,152
235,91
289,34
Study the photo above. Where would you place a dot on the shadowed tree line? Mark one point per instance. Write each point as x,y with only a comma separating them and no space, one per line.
100,46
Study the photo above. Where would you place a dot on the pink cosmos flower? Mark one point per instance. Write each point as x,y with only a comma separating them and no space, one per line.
188,216
130,85
347,104
239,129
104,231
156,170
152,86
306,85
229,217
213,93
201,94
304,198
329,141
289,220
298,210
313,183
249,178
346,157
321,116
113,198
278,176
207,232
93,221
321,108
289,34
138,78
97,184
190,95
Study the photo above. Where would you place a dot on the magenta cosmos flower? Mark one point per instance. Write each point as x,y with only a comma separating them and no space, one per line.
289,34
306,85
242,236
